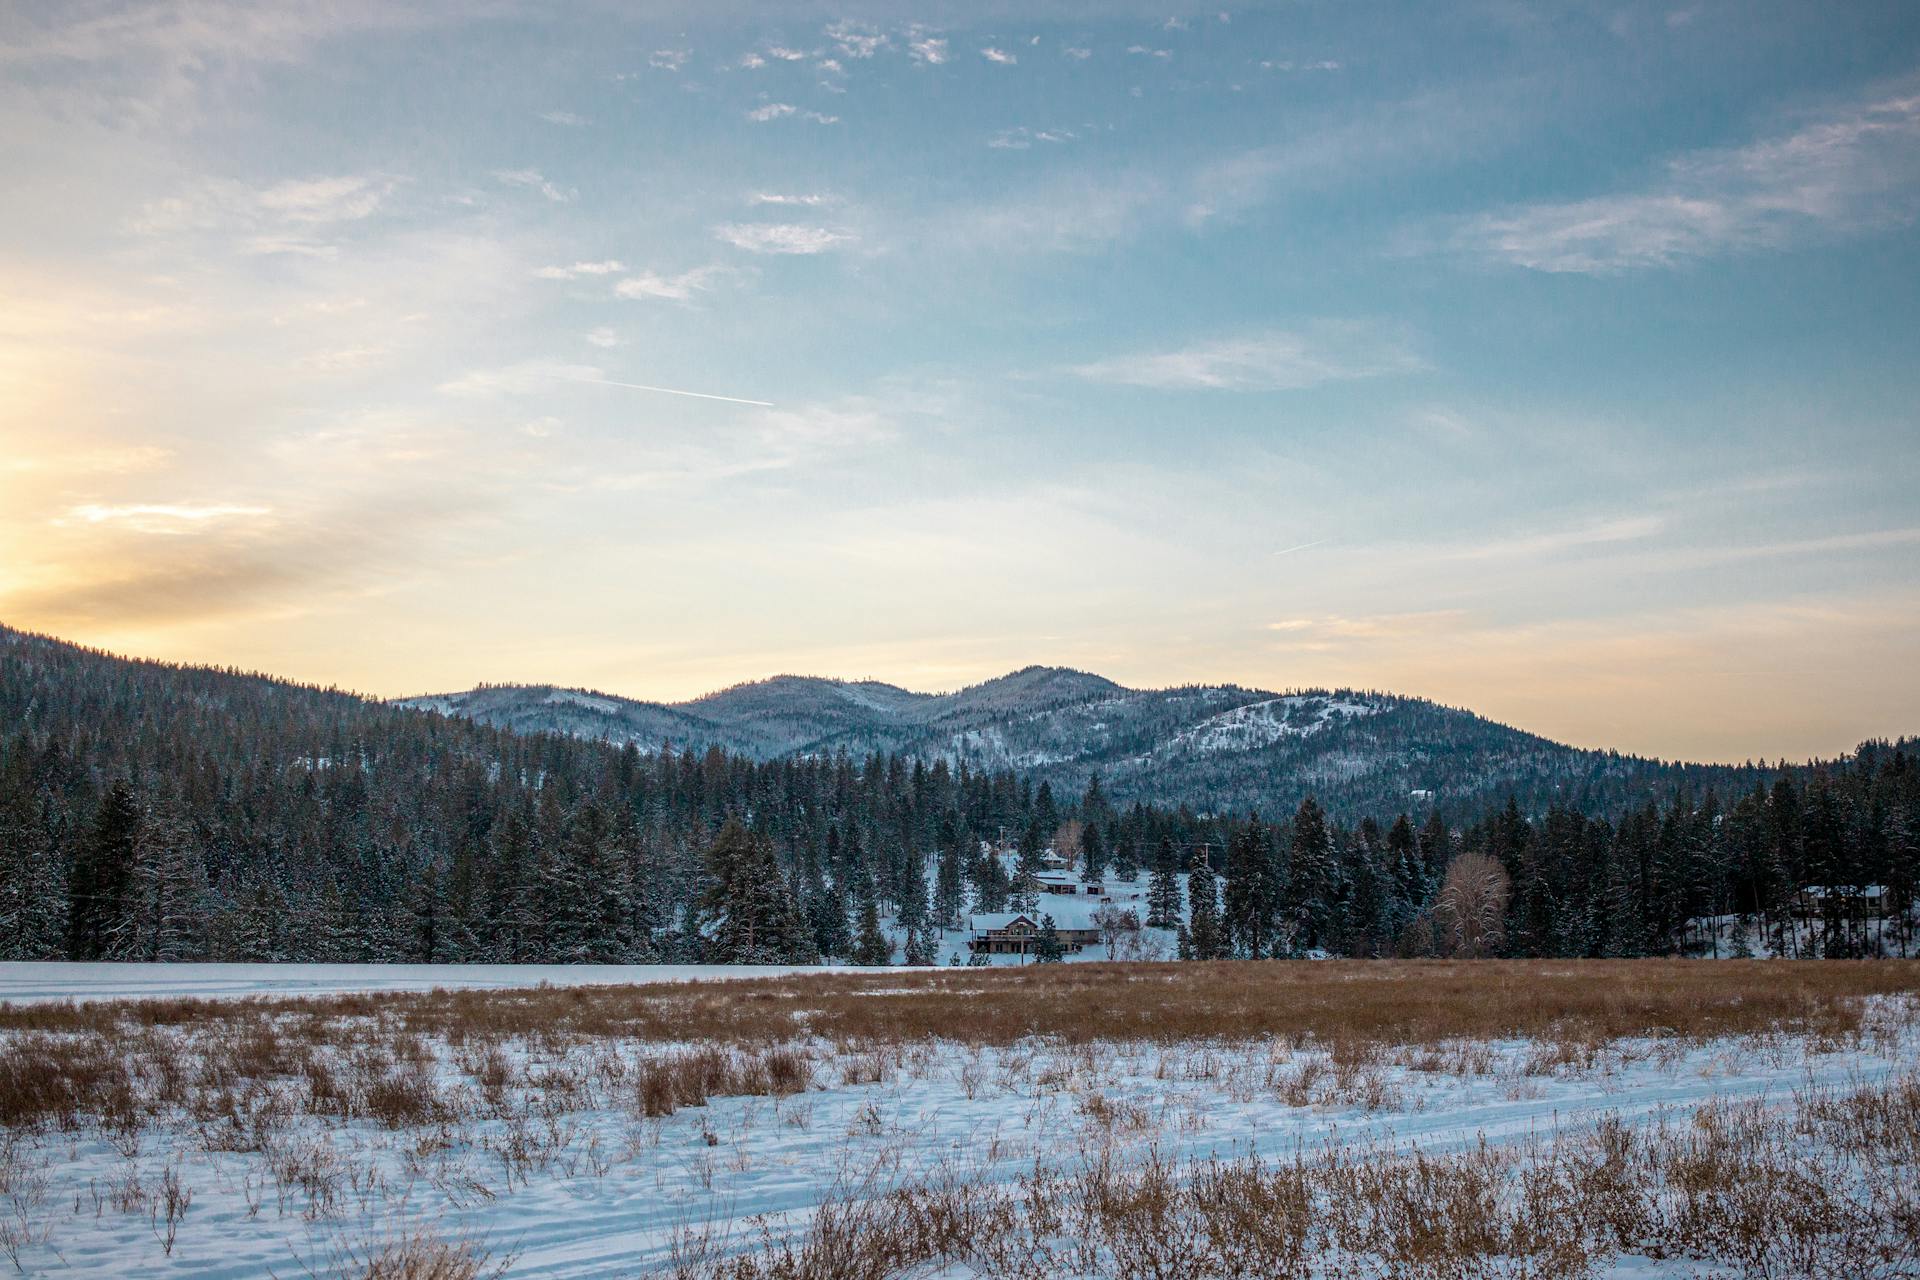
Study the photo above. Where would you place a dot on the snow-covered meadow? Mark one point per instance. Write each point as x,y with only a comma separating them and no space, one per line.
36,982
972,1123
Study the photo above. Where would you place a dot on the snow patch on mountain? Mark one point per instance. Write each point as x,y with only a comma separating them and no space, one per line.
573,697
1261,724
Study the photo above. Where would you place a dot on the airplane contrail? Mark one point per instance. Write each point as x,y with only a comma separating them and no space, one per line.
668,391
1317,542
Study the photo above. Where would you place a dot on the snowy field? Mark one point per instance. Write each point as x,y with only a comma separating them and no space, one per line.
281,1142
31,982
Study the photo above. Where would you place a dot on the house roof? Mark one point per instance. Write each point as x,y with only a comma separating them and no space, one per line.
1068,913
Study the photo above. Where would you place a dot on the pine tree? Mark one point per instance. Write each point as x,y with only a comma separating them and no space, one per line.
871,947
1203,914
991,886
912,913
1248,922
1126,853
1093,853
103,874
1163,888
832,935
33,889
922,946
750,915
948,894
1308,900
1047,948
165,920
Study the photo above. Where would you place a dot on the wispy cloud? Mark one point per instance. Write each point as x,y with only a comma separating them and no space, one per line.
532,180
1000,56
809,199
565,119
856,40
533,377
160,517
1552,542
780,237
675,288
1269,361
104,460
605,267
931,50
1020,137
669,59
782,110
518,379
1074,212
246,563
1853,170
767,442
1316,632
303,203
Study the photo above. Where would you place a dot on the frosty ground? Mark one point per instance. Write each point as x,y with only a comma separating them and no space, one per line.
975,1123
37,982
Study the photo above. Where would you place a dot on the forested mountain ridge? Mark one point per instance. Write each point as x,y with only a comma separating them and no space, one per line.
158,812
1213,748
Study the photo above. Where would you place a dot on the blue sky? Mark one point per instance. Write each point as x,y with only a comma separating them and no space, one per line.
1556,360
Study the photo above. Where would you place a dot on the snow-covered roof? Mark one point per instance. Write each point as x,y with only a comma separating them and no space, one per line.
1067,912
1845,891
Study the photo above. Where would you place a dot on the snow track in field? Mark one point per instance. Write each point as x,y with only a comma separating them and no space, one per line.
36,982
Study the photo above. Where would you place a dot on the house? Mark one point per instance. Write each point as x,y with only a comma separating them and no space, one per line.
998,933
1058,882
1816,900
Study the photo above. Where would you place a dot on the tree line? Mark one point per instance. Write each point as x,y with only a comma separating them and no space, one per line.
157,812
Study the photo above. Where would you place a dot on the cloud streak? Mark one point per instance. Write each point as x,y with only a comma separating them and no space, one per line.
1273,360
780,237
1855,170
533,180
677,288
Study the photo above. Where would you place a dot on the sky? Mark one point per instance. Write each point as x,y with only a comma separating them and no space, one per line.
1556,361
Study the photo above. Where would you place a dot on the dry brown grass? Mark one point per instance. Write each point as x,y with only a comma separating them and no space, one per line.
1396,1002
229,1063
1733,1191
417,1252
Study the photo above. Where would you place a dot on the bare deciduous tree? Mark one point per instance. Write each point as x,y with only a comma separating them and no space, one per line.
1471,911
1066,841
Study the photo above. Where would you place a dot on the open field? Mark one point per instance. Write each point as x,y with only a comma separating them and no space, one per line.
41,981
1640,1118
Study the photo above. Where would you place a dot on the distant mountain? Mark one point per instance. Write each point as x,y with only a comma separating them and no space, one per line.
1215,748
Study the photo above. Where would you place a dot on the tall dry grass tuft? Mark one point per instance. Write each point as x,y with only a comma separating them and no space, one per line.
418,1252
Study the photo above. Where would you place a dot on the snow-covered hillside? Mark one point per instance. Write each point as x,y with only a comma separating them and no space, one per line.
1261,724
1213,747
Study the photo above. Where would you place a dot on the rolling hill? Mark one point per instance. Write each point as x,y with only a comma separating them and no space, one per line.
1215,748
